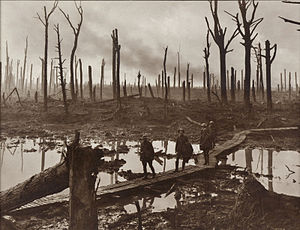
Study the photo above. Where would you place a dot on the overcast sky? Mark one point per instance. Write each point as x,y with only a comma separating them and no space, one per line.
145,29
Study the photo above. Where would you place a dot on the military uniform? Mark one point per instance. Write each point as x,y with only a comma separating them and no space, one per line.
147,156
183,150
205,144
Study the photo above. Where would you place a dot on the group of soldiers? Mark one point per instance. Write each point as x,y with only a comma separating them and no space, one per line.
183,148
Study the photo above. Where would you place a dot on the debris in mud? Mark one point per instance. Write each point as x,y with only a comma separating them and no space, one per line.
129,175
30,150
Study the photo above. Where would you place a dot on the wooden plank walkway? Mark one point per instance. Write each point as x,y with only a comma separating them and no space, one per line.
139,183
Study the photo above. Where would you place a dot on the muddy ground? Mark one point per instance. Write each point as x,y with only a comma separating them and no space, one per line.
236,204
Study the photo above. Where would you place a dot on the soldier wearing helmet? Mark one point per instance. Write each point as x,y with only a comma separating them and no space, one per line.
183,149
205,142
147,155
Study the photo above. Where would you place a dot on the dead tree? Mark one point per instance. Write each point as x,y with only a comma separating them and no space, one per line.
166,84
76,32
232,87
204,77
0,85
76,79
139,83
45,22
150,90
269,61
219,38
206,57
61,69
248,37
102,79
24,66
183,90
6,69
290,85
178,66
90,82
253,91
289,20
81,79
174,80
281,85
51,76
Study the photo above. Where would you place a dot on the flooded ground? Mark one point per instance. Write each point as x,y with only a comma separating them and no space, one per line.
22,158
277,171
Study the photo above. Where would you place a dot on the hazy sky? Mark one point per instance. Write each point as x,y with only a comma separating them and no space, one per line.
145,29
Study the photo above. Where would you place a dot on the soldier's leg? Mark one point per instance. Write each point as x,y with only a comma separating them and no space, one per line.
176,163
152,168
183,163
204,155
145,168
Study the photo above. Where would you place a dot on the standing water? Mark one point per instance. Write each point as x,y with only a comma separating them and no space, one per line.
22,158
277,171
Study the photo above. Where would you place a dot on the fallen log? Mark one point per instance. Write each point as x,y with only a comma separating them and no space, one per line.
50,181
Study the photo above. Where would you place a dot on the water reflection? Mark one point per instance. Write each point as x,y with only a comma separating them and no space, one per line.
276,171
22,158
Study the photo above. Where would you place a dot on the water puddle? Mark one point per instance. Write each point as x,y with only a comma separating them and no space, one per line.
22,158
276,171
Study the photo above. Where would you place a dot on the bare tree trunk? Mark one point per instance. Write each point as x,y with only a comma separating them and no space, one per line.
253,91
269,61
102,79
290,85
150,89
166,86
189,91
232,90
113,65
183,90
223,76
90,82
178,66
81,79
281,85
61,71
174,79
24,66
284,79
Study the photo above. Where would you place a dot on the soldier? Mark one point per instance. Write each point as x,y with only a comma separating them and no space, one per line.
205,142
212,133
183,149
147,155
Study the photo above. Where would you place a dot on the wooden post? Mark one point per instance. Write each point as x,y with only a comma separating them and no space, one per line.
232,85
82,177
90,82
150,90
183,90
281,85
290,85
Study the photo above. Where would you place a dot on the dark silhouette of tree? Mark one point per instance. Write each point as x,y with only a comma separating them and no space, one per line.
60,68
249,26
206,56
219,37
76,32
45,22
289,20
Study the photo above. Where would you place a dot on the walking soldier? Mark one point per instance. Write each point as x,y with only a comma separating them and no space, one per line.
147,156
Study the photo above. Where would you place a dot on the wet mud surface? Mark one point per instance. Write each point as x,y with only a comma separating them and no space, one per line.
222,198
